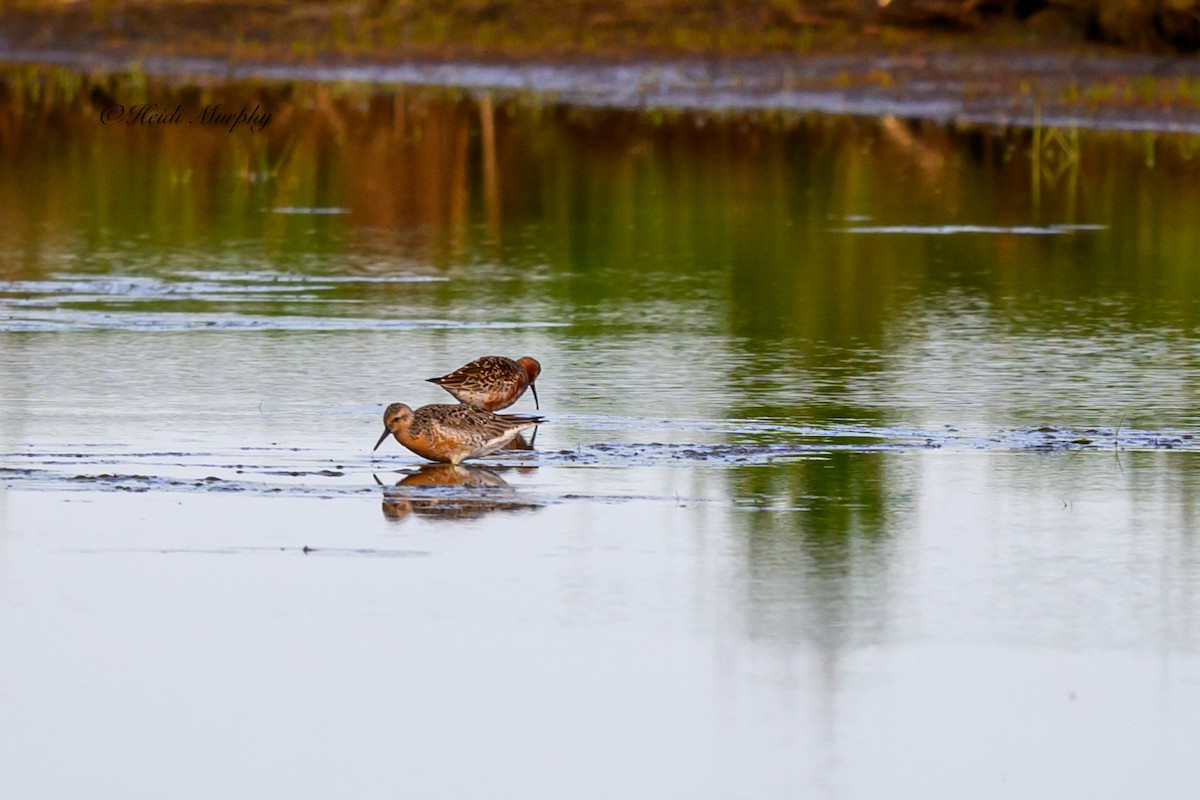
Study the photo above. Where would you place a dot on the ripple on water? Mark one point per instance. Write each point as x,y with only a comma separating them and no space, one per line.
303,210
69,319
134,303
946,230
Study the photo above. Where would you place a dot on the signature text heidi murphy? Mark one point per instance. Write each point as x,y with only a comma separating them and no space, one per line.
213,114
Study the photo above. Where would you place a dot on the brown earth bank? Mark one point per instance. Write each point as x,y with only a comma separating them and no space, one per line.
540,29
1025,63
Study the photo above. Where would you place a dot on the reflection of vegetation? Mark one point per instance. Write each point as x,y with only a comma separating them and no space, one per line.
639,218
833,506
817,541
1053,155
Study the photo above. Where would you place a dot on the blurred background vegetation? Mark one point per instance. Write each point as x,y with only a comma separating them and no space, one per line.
383,29
450,179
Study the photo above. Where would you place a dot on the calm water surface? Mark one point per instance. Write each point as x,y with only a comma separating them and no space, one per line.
869,472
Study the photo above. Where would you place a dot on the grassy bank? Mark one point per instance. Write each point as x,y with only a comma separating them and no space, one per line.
525,29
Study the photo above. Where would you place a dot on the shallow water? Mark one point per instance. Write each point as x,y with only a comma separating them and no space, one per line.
869,467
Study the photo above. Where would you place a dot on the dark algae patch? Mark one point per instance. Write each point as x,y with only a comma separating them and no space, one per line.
481,487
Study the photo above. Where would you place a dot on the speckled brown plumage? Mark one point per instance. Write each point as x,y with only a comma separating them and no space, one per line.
492,382
452,433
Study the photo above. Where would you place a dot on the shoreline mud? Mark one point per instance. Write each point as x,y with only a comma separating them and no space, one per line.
1018,89
1023,65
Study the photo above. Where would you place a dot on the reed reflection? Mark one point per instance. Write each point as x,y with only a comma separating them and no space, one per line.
450,492
818,561
818,546
754,212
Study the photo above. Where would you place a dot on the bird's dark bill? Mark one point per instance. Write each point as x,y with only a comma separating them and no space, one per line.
386,433
533,388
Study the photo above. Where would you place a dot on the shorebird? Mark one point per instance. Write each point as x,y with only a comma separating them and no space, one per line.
492,382
452,433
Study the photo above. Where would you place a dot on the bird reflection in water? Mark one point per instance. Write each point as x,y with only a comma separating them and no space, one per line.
519,442
448,491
